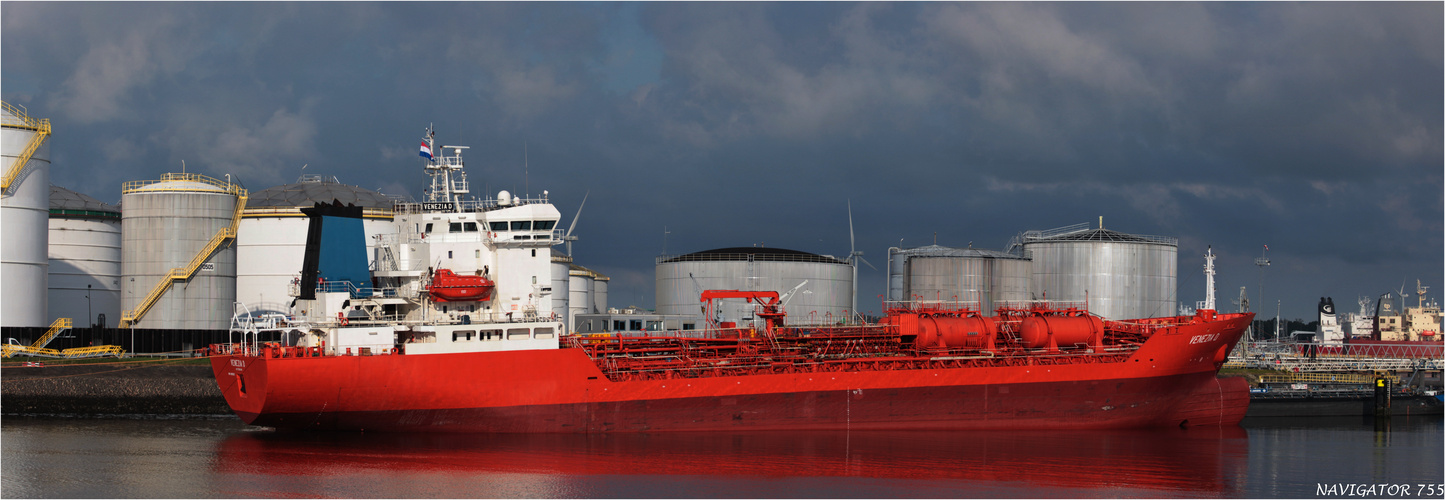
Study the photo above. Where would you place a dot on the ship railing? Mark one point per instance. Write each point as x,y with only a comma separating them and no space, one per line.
1040,305
467,205
918,304
357,292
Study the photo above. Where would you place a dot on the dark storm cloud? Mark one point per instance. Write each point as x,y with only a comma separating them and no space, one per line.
1314,128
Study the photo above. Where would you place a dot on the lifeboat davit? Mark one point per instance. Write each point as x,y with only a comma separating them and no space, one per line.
447,286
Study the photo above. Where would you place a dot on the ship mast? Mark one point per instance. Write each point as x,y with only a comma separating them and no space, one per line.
448,181
1208,279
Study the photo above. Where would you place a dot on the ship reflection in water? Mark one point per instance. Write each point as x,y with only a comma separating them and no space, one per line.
1206,462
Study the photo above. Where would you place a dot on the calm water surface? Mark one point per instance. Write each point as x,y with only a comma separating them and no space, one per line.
197,458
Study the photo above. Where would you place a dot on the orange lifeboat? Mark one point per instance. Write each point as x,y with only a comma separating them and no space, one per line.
447,286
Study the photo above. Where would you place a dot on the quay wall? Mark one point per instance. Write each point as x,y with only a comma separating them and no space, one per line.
110,389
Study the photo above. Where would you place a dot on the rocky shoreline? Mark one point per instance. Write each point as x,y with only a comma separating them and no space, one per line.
110,389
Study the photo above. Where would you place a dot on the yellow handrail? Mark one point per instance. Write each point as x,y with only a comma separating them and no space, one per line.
59,325
129,318
42,130
1320,378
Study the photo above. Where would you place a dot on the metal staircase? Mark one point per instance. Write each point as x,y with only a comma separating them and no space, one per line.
38,348
129,318
21,120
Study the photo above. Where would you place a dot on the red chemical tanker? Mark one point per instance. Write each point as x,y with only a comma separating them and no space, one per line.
1027,368
472,346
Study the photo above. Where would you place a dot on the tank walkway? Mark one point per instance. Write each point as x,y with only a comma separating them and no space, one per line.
22,121
129,318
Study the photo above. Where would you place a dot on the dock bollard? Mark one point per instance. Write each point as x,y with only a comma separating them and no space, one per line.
1382,397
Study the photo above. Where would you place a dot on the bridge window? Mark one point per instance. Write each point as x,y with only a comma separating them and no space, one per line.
544,225
471,227
455,227
654,326
498,226
619,325
428,227
689,326
634,324
521,225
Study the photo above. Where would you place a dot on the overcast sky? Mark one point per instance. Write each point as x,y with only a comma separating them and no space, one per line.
1313,128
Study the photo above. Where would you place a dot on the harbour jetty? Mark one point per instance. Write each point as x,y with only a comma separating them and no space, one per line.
110,389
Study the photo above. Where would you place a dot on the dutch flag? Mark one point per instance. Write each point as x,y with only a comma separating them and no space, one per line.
425,150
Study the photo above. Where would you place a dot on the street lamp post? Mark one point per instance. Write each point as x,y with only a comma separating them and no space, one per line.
88,317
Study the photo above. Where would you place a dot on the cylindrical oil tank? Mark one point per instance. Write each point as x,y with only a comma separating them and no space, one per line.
579,290
599,293
561,287
1121,276
1068,331
271,240
979,279
166,224
825,298
24,217
84,259
897,260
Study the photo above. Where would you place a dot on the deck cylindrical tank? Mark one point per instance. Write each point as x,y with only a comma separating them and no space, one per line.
825,298
169,224
271,239
1122,276
24,215
1074,331
84,278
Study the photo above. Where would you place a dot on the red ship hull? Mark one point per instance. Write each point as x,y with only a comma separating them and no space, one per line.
1169,381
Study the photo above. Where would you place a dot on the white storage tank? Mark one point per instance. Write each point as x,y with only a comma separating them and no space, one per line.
599,292
580,296
166,224
825,298
24,215
897,267
561,295
84,259
271,240
1122,276
979,279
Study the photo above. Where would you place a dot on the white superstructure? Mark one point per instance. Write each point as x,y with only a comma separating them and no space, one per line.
502,245
1329,331
507,239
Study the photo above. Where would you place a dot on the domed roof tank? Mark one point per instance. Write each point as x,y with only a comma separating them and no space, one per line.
85,256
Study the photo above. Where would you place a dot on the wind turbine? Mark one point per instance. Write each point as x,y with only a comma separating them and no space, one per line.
568,237
1403,295
854,257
